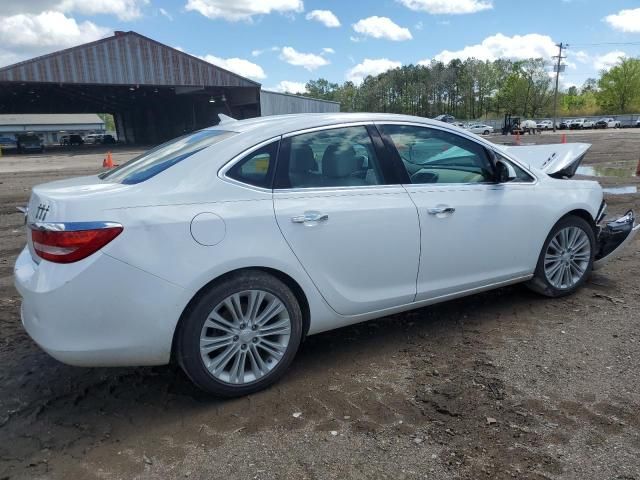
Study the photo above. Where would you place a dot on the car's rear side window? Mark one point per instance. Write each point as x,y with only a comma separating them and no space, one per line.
164,156
257,167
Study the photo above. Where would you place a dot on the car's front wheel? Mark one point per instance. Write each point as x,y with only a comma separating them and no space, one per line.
240,335
566,259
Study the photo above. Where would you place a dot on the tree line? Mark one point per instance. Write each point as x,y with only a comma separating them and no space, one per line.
473,88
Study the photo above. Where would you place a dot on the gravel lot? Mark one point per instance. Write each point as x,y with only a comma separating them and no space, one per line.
503,384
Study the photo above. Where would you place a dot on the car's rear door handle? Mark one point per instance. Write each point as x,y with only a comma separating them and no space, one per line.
310,217
441,210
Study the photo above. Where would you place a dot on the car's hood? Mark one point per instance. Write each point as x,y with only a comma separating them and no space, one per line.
556,160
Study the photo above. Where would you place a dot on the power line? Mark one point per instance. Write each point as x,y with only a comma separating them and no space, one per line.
605,44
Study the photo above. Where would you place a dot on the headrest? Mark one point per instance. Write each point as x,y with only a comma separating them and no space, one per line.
339,161
302,159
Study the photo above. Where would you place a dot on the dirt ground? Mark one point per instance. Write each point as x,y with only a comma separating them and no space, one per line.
500,385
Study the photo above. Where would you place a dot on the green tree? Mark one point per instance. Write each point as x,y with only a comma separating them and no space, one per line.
619,88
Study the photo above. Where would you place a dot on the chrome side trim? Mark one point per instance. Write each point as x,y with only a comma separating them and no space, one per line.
328,127
71,226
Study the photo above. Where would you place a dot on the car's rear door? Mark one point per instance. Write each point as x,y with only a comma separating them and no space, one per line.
349,222
474,232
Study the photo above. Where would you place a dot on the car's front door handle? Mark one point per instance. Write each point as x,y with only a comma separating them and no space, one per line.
441,210
310,217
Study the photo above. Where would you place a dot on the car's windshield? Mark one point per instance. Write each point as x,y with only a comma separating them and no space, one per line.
164,156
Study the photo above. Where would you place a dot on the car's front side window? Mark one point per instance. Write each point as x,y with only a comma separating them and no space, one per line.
337,157
436,156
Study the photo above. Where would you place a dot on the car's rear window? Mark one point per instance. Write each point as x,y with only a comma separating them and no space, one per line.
164,156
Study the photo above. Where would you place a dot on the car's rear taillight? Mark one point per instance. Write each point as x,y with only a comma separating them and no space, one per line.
58,244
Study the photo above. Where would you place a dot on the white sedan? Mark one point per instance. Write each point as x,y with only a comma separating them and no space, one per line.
480,128
224,248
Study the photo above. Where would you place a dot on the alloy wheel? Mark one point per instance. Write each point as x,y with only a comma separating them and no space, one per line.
567,257
245,336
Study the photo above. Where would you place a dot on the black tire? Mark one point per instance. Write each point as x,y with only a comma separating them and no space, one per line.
539,283
192,321
486,132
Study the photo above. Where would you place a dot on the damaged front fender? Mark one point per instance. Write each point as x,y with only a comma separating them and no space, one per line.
613,237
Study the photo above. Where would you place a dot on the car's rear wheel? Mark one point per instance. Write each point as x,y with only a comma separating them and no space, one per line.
240,335
486,132
566,259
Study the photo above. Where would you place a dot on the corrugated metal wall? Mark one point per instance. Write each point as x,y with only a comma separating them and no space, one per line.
273,103
124,59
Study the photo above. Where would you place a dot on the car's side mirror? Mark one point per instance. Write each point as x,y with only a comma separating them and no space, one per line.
505,172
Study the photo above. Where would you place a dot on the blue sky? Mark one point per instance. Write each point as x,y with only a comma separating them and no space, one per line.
282,44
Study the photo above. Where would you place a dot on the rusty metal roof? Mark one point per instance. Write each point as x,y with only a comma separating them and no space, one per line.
127,58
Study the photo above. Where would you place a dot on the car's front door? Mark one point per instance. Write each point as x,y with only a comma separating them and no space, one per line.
354,230
475,232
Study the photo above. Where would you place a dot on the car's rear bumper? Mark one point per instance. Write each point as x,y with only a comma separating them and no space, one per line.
98,311
613,237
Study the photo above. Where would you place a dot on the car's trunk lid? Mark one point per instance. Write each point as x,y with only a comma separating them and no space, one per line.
80,199
556,160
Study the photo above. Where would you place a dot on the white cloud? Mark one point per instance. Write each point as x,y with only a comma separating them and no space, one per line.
608,60
370,67
382,27
237,65
328,50
257,52
625,20
25,35
518,47
236,10
123,9
166,14
582,56
326,17
287,86
310,61
448,7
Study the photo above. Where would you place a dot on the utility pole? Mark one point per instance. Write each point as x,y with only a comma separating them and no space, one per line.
561,46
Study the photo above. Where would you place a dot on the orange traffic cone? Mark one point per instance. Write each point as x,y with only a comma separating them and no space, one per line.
518,138
108,161
564,138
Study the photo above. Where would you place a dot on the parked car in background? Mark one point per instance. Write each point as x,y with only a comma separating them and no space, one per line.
71,140
545,125
29,143
93,138
588,123
108,139
445,118
480,128
8,143
225,247
607,123
564,124
638,123
576,124
529,126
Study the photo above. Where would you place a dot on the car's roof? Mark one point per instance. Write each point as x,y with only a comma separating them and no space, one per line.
280,124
